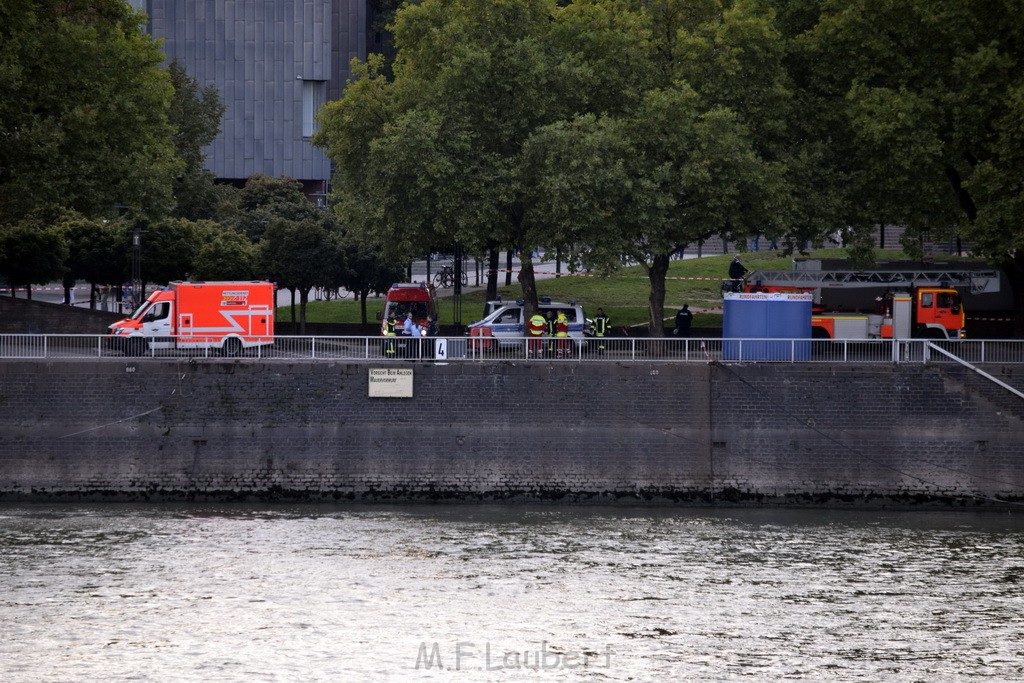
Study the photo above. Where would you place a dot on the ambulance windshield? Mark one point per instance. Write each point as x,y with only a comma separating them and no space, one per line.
141,310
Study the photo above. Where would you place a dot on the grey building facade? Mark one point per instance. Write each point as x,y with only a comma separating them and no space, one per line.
274,63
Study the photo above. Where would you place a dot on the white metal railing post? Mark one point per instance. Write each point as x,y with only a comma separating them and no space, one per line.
312,348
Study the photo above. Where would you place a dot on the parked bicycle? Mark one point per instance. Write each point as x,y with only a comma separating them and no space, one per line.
446,277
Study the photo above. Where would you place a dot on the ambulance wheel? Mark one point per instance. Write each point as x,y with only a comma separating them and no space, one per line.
232,347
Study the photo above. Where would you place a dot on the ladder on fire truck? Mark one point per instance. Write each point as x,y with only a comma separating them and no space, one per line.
978,281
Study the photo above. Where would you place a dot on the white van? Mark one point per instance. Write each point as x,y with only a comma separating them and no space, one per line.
507,326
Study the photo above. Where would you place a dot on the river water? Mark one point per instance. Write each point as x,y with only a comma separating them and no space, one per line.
468,593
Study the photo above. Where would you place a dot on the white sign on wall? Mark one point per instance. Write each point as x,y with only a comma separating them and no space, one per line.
390,383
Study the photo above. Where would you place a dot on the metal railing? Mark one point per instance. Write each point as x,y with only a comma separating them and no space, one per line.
546,349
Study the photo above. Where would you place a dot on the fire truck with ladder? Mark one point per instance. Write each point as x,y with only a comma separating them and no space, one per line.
921,302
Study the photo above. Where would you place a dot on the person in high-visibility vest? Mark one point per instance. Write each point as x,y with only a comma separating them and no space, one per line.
390,348
600,329
562,334
536,327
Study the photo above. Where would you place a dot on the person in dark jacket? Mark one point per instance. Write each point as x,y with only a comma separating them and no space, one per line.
684,318
552,330
736,272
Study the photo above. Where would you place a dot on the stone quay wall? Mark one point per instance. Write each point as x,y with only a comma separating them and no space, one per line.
754,434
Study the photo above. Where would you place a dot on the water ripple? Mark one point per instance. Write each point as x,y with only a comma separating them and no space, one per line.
506,593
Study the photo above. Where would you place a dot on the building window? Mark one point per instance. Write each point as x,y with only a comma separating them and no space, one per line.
312,100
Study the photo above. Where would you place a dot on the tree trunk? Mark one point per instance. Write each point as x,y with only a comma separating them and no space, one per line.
303,298
528,282
656,308
292,290
362,304
508,268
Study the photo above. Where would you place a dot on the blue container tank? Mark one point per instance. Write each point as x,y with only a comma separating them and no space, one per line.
776,317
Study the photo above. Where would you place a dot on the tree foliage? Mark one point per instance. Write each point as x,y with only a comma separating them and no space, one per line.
366,272
521,124
435,156
195,115
97,251
921,104
168,249
300,255
83,111
299,245
224,255
31,254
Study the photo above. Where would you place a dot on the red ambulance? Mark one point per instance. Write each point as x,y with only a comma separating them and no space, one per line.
229,316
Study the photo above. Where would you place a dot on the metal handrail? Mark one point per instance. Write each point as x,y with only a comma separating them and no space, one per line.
543,349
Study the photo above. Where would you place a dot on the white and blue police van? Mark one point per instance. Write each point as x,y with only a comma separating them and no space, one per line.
506,324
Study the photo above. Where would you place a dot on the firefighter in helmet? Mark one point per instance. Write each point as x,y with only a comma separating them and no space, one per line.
600,329
536,327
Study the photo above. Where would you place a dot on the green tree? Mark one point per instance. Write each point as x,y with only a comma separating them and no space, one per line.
366,272
195,115
435,157
264,198
168,249
695,147
97,252
920,104
605,129
224,255
299,255
31,254
83,111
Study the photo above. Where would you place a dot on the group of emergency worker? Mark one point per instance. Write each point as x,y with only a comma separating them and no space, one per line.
410,329
549,335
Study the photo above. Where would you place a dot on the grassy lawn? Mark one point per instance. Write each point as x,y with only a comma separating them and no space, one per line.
623,296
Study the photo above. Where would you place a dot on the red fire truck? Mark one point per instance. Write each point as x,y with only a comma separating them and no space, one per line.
229,316
913,303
